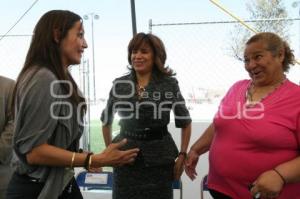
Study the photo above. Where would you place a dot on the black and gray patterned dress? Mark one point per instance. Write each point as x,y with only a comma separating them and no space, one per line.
151,175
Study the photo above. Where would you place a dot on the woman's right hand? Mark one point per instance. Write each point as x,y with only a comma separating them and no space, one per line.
191,163
113,156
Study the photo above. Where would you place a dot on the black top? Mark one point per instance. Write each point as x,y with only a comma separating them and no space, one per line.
161,96
151,110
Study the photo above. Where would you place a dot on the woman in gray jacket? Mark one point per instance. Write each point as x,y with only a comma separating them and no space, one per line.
49,114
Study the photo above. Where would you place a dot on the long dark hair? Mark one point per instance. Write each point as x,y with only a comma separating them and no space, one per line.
44,51
159,52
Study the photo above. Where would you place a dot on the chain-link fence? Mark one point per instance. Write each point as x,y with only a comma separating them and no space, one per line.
201,55
198,52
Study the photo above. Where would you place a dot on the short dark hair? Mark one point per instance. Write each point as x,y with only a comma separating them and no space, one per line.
159,51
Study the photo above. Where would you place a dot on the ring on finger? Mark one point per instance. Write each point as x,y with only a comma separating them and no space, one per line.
257,195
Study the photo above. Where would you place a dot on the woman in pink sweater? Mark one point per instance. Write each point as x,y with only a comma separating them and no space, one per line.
255,135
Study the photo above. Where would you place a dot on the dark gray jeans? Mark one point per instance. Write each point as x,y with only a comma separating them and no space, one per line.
22,187
6,172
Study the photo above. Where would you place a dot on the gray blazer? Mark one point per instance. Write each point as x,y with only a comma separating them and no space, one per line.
42,116
6,132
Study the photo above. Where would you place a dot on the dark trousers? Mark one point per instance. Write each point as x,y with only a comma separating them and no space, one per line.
218,195
22,187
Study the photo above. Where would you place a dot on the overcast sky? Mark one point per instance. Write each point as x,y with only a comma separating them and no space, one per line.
193,54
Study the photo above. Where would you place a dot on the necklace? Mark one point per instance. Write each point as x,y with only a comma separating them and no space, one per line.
251,90
140,91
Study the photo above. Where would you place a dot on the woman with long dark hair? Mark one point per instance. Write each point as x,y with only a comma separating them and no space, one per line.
49,111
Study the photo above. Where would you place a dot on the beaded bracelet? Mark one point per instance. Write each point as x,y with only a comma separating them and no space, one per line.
284,181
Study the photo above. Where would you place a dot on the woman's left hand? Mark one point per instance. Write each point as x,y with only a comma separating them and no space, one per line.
179,167
269,184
